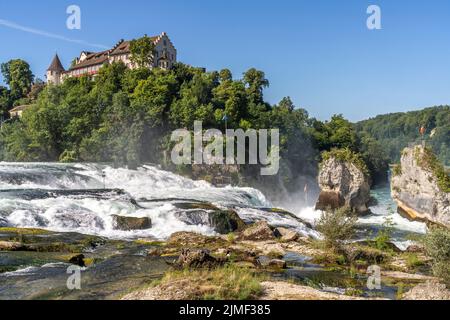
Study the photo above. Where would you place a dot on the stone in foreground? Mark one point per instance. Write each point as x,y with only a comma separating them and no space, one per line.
131,223
222,221
259,231
197,258
286,235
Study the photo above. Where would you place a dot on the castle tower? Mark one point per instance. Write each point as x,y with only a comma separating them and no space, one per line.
55,71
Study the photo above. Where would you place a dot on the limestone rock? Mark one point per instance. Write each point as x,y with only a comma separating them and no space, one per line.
343,184
10,246
155,252
259,231
266,262
286,235
131,223
279,290
355,252
415,188
197,258
431,290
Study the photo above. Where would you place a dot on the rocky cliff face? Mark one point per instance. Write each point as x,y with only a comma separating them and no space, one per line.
343,184
415,188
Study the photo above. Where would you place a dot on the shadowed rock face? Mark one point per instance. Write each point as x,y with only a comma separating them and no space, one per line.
222,221
343,184
331,199
416,191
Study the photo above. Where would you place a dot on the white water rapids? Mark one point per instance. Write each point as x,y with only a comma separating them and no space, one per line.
25,200
153,189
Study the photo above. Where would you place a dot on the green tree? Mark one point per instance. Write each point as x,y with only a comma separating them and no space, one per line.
437,247
376,158
256,82
225,75
37,87
154,97
194,103
5,102
397,130
142,51
18,76
231,98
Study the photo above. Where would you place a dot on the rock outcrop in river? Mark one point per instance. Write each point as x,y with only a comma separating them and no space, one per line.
343,183
420,186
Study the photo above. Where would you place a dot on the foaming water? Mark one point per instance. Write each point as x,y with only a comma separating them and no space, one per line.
385,208
62,197
84,197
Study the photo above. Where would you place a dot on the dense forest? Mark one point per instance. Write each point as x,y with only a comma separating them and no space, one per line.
126,117
395,131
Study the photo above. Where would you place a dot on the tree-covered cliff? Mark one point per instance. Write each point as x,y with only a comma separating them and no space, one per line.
127,116
398,130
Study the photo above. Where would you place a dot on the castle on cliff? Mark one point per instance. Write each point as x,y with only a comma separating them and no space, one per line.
89,63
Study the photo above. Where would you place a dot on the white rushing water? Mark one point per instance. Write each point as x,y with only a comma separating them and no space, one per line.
25,201
23,205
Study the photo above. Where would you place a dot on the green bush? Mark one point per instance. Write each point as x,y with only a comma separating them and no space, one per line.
346,155
384,236
226,283
437,247
413,261
336,226
397,170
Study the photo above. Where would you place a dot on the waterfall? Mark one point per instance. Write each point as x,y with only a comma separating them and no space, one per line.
70,197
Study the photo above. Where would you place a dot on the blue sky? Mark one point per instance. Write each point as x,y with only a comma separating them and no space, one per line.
319,52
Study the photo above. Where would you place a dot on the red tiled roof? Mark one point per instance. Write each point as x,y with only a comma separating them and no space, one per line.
92,59
99,58
123,47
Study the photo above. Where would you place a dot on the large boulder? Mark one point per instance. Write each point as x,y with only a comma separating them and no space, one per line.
343,183
419,185
431,290
78,260
286,235
259,231
197,258
131,223
222,221
10,246
266,262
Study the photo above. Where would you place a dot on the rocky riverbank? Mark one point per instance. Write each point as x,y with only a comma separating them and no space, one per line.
261,262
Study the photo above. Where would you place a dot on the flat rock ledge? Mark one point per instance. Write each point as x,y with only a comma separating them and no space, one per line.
272,290
430,290
278,290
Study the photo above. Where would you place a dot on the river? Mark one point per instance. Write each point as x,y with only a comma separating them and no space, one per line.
83,197
80,199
